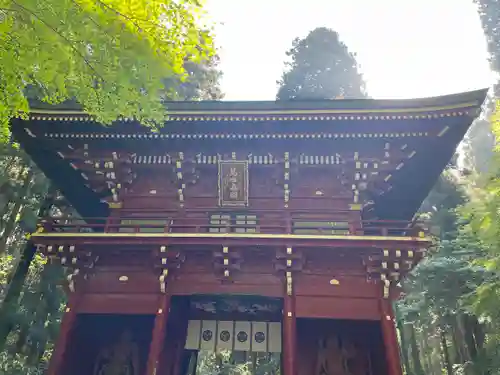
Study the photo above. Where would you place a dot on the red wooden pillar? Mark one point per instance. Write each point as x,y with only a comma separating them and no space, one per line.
289,329
158,340
181,342
390,338
67,324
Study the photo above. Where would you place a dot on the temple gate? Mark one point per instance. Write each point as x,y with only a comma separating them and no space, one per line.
245,237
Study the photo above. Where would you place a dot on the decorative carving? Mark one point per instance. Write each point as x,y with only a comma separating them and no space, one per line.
227,261
106,173
286,185
289,280
180,181
289,260
245,305
289,283
78,261
164,273
120,359
225,251
167,261
391,265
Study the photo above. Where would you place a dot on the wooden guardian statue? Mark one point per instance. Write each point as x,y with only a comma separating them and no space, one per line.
121,358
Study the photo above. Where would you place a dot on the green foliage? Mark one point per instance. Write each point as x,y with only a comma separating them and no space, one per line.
484,213
111,56
455,290
489,11
31,299
201,82
320,67
441,292
237,363
15,364
479,145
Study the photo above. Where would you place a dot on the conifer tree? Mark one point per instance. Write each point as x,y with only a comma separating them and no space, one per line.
320,67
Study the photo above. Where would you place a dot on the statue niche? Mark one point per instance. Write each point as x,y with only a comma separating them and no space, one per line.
332,358
122,358
342,357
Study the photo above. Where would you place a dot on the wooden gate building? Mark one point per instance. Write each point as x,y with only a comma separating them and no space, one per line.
242,237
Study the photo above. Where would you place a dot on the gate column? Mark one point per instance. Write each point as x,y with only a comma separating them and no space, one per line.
390,338
68,322
289,328
159,332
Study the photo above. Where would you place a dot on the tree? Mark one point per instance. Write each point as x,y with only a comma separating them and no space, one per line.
479,144
201,82
480,139
489,12
454,291
29,323
111,56
320,67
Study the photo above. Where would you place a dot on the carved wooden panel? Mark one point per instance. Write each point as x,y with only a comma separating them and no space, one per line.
335,262
205,186
124,281
243,284
319,182
337,308
311,187
335,286
119,303
266,182
160,181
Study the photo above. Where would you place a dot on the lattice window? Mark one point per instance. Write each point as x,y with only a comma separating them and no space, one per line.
248,223
219,223
237,223
320,227
144,225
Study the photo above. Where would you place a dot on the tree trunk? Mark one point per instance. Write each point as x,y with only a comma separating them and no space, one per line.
10,303
22,337
16,210
425,354
42,311
446,354
463,338
415,356
403,345
457,345
479,333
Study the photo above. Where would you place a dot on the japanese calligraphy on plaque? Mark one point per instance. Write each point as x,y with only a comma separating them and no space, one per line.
233,183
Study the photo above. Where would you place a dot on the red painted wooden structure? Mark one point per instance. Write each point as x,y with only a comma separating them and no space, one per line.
293,216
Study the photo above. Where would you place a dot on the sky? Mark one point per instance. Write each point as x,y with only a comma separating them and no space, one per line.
406,48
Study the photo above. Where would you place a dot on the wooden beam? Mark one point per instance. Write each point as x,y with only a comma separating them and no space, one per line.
390,338
68,322
231,239
158,339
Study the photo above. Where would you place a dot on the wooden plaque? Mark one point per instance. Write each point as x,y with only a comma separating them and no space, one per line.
233,183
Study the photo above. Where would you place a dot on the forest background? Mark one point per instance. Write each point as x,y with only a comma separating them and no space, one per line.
449,319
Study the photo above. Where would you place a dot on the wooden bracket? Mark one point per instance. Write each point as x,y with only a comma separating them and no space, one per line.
227,261
77,260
